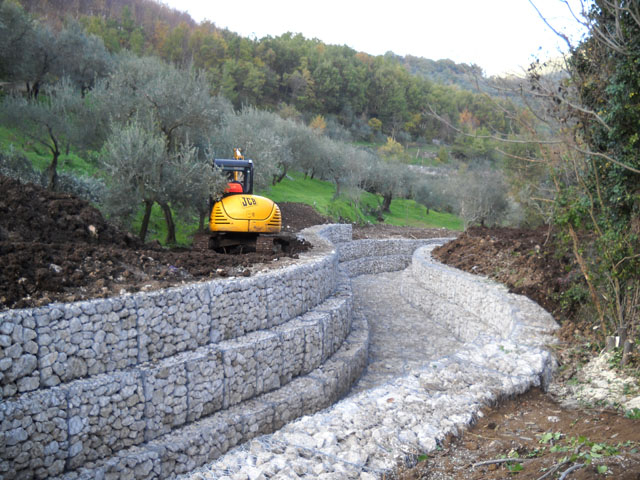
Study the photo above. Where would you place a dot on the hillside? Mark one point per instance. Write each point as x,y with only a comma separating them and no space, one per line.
297,76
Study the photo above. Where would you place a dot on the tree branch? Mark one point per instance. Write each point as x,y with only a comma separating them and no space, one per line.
488,137
559,34
499,460
570,469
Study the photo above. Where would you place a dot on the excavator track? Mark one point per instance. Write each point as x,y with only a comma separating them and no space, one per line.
241,243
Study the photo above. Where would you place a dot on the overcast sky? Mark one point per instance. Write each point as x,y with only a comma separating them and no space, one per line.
497,35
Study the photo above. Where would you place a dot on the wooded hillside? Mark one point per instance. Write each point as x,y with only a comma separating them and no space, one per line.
289,73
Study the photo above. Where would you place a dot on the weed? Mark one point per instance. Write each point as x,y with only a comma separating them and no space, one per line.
634,414
514,467
579,448
550,437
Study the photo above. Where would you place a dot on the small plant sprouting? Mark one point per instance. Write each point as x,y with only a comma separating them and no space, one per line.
633,414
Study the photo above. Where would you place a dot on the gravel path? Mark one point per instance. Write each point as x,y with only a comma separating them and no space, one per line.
403,337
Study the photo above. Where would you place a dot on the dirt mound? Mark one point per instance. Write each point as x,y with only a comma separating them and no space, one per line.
297,216
524,260
29,213
56,247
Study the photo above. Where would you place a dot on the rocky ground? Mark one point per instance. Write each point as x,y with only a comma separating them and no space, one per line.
54,247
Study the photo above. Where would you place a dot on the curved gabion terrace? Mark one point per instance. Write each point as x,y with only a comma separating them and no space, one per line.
152,385
494,349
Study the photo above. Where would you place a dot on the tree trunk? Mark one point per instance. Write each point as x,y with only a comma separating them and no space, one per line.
585,273
201,217
278,178
171,227
52,171
386,202
337,194
145,220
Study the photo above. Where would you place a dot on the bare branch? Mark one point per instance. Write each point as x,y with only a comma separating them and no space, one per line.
607,158
546,93
544,19
499,460
518,157
488,137
571,469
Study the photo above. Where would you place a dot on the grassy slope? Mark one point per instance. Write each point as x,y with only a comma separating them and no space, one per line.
319,194
40,156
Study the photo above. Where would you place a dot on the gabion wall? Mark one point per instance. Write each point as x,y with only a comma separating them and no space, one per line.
116,385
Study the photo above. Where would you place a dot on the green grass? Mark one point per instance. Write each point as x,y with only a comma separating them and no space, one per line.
409,213
319,194
157,229
40,156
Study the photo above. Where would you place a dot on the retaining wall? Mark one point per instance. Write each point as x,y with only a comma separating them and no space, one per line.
131,386
367,434
48,346
473,306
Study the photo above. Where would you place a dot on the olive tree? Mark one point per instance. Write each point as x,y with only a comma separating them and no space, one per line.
255,133
482,195
51,121
143,171
177,108
81,57
17,34
33,53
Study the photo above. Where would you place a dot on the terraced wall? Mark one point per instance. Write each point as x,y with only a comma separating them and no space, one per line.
151,385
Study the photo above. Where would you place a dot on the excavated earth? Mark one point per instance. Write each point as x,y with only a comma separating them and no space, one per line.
54,247
58,248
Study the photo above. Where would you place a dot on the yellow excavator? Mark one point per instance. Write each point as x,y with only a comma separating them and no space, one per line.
241,221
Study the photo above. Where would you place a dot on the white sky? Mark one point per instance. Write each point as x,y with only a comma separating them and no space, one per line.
497,35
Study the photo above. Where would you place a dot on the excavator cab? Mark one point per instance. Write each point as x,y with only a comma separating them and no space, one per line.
239,175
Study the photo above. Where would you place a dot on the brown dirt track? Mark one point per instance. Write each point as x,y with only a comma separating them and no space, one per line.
54,247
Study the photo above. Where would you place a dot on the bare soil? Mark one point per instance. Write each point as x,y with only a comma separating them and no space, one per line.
525,260
58,248
531,437
54,247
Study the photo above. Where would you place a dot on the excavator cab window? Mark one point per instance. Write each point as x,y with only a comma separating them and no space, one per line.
239,174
